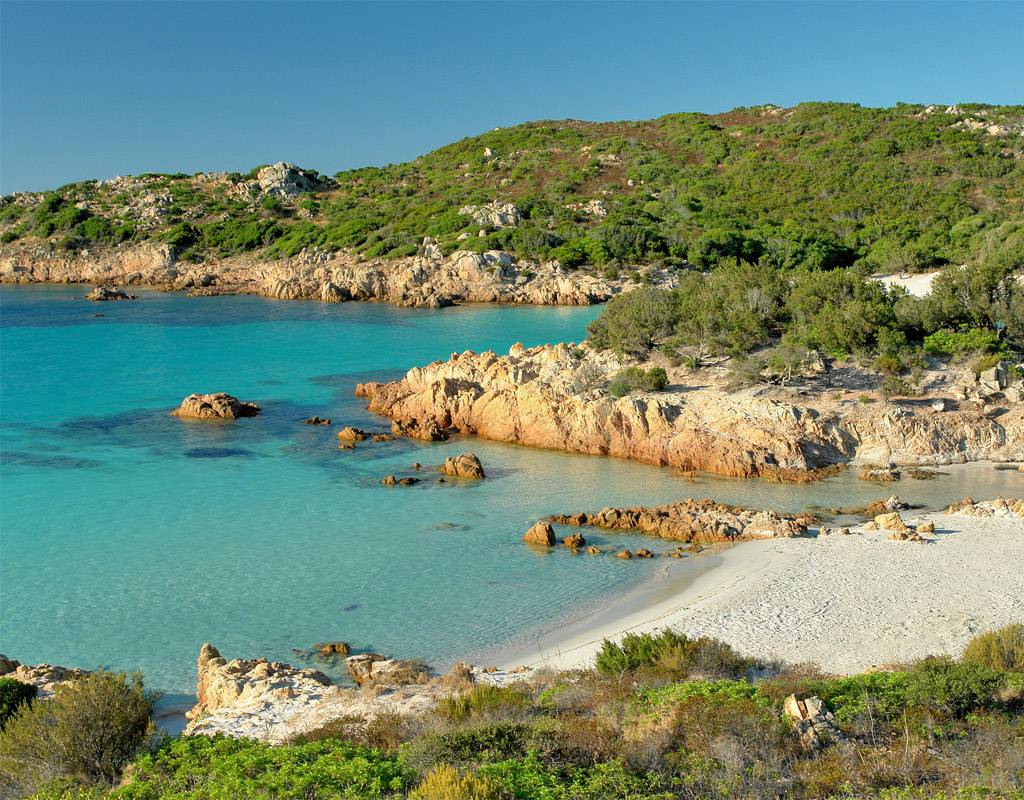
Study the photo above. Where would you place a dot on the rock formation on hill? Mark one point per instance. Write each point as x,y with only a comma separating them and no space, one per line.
553,397
219,405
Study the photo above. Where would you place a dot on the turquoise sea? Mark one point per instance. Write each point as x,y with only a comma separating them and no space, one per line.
129,537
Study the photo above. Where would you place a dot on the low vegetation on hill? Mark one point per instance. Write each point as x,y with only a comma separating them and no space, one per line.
817,186
660,717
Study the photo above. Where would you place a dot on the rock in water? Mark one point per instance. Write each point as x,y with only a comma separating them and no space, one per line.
466,465
542,533
574,540
215,406
333,648
105,293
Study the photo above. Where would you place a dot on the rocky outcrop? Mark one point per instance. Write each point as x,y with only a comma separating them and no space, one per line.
273,702
555,397
288,180
223,683
693,521
495,214
466,465
102,294
429,280
215,406
1000,507
45,677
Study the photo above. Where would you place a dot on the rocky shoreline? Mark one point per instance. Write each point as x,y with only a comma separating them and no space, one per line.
429,280
552,397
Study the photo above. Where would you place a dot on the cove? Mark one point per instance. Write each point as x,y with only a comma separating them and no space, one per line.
128,537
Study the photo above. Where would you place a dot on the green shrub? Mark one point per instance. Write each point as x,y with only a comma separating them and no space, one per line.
1001,649
88,731
221,768
468,746
14,694
672,651
632,379
483,700
951,343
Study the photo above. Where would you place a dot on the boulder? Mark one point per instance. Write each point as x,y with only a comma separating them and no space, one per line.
466,465
332,648
643,552
891,522
594,550
624,554
874,472
317,421
574,540
925,527
105,293
360,667
812,722
348,436
219,405
542,533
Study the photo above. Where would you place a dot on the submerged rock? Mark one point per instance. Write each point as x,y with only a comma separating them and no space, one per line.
215,406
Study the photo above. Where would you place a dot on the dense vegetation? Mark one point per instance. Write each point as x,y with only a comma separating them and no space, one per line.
662,717
819,186
974,310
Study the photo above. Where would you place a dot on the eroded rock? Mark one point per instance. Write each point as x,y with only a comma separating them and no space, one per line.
466,465
219,405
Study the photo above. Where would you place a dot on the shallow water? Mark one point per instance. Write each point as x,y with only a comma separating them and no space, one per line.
129,537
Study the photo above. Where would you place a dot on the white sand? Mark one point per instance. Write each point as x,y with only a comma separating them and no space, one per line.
844,602
918,285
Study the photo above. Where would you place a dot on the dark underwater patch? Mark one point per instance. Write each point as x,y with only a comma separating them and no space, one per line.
219,452
18,458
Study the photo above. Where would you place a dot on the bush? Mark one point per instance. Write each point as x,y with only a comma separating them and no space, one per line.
221,768
470,746
949,343
483,700
631,379
672,651
1001,649
14,694
444,782
88,731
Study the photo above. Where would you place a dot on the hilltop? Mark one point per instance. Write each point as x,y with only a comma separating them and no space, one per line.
819,185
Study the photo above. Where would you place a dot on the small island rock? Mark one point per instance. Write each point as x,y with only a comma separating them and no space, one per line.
219,405
466,465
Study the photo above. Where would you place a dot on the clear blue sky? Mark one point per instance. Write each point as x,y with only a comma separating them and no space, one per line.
92,90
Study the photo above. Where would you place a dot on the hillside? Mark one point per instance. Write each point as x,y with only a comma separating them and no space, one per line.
818,185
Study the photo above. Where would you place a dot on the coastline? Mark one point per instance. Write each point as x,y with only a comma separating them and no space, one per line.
847,603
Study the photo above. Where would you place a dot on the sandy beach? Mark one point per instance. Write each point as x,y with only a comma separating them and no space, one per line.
844,602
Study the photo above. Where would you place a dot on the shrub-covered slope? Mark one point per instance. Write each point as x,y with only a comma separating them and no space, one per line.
818,185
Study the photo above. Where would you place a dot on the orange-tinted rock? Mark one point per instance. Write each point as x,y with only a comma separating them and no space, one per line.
219,405
542,533
574,540
693,521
